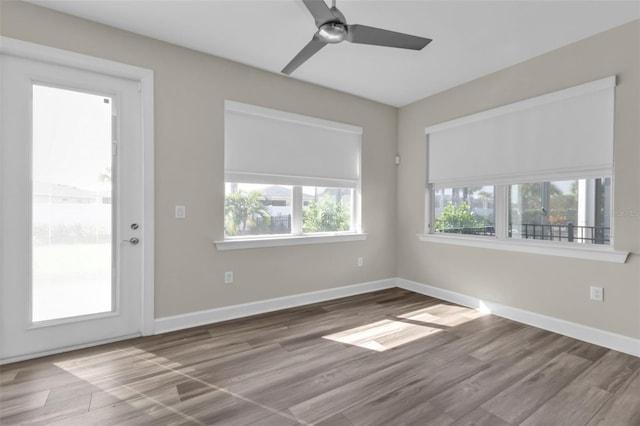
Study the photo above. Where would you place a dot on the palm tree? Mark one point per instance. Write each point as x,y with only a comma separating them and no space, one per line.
105,176
241,210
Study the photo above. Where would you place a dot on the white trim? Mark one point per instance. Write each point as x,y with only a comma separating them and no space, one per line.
15,47
582,89
271,179
4,361
148,181
210,316
549,175
288,240
24,49
596,336
297,216
291,117
501,209
573,250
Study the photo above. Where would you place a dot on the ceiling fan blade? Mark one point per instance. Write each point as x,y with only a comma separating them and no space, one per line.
379,37
308,51
320,11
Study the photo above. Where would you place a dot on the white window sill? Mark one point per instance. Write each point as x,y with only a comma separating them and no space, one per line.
288,240
574,250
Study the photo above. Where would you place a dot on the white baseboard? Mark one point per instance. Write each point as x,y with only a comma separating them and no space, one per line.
581,332
210,316
596,336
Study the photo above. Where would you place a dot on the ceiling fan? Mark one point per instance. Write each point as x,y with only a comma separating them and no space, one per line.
333,28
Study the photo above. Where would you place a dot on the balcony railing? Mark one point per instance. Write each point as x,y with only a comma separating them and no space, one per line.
569,232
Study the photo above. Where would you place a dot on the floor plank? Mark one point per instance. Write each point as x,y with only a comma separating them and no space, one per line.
624,407
24,403
611,371
464,397
520,400
384,409
480,417
337,420
390,357
574,405
50,413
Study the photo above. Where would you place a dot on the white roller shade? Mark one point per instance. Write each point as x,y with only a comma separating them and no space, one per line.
565,134
269,146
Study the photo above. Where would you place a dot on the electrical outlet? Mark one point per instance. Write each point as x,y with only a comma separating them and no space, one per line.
597,294
228,277
360,261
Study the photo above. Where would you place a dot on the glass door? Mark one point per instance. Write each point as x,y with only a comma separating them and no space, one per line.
72,208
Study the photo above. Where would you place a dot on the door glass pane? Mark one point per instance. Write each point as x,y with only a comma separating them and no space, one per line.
72,204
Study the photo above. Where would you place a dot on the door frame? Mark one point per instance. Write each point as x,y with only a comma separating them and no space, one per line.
144,77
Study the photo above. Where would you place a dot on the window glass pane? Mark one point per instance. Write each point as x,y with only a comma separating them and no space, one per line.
257,209
71,204
326,209
465,210
570,211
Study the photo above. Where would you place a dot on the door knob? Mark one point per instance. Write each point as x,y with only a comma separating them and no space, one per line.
132,241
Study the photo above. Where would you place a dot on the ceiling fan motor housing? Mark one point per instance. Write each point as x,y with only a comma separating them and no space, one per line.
332,32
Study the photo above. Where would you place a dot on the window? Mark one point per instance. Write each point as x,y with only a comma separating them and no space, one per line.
466,210
538,169
257,209
571,210
289,175
326,209
262,209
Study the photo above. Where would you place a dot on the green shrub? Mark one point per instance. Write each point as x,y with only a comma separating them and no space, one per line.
326,215
456,218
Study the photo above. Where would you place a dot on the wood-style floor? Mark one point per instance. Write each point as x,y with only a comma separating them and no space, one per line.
386,358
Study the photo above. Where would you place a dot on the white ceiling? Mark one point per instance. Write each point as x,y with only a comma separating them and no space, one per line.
470,38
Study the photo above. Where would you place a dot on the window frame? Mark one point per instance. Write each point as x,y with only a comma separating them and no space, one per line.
502,241
297,236
546,199
430,219
297,217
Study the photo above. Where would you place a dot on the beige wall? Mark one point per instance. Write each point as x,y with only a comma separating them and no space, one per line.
190,88
554,286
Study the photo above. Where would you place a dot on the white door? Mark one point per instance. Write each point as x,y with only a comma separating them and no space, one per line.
72,208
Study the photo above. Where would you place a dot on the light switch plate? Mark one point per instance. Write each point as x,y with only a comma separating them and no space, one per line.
596,293
181,212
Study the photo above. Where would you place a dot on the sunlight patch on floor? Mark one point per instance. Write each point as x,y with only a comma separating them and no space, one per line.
444,314
390,333
382,335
